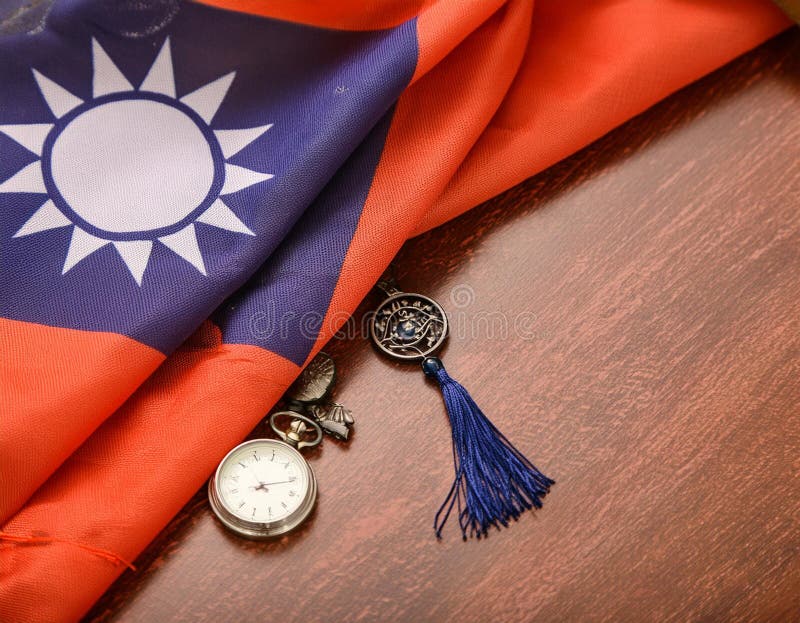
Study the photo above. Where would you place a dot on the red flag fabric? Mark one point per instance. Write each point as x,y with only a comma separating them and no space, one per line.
193,198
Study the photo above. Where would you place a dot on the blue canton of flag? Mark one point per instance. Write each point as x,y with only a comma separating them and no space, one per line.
140,185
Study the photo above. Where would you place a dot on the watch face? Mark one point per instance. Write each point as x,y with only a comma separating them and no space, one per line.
263,488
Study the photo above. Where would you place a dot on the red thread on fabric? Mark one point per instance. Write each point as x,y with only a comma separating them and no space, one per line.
46,540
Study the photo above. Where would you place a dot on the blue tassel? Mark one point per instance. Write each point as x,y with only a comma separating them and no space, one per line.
494,482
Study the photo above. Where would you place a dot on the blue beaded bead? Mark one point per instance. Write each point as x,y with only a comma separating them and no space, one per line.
431,365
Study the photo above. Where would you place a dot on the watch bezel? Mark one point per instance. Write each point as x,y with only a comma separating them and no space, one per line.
259,530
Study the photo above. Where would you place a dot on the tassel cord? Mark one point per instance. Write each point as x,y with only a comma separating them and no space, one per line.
494,482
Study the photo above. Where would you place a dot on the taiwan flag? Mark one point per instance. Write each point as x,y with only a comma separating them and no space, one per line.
184,184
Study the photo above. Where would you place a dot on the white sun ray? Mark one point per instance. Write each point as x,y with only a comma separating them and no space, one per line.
82,245
206,100
46,217
160,78
237,178
107,76
26,180
59,100
234,141
30,136
135,254
220,215
184,243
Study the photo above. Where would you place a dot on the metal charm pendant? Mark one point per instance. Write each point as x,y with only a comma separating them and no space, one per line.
315,382
310,395
334,419
493,482
407,326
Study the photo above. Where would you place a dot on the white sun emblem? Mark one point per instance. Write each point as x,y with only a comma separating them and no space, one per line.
131,166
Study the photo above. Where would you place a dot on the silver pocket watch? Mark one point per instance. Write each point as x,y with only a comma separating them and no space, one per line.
264,487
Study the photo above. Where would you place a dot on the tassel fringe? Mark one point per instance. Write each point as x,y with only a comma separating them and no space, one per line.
494,482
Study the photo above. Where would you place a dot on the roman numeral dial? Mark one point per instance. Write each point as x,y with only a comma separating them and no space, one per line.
261,487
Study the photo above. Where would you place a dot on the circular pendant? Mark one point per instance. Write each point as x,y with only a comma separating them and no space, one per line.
409,326
262,488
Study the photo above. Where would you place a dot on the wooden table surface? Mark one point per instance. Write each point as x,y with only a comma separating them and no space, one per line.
630,319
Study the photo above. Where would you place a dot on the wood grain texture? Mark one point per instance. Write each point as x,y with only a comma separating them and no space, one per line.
653,371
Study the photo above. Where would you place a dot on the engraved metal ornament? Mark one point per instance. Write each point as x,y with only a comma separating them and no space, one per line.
335,419
310,393
409,326
315,382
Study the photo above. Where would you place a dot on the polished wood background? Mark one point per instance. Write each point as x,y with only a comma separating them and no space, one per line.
630,319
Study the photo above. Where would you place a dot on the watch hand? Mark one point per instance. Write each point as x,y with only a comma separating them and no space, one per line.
258,484
262,486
